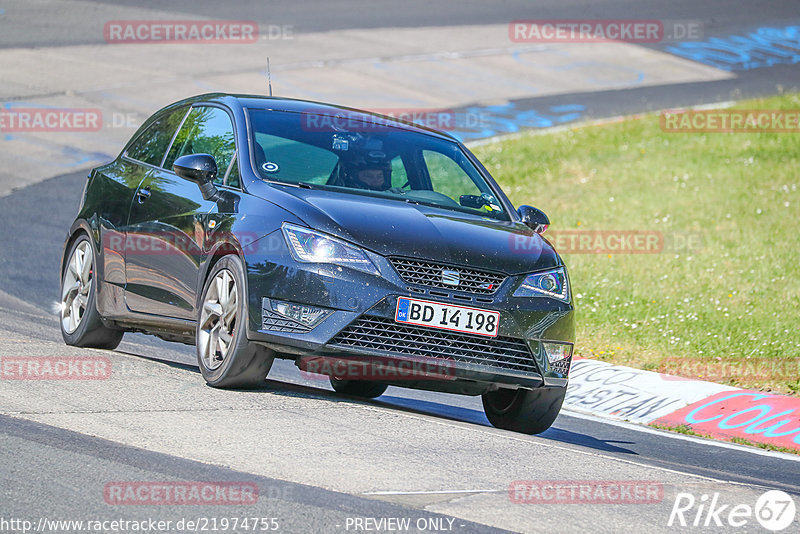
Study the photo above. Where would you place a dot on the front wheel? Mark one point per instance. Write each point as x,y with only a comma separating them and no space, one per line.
530,411
225,356
81,324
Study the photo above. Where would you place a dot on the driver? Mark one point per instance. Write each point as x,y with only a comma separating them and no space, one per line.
368,171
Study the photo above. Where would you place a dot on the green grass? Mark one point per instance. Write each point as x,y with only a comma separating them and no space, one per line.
728,310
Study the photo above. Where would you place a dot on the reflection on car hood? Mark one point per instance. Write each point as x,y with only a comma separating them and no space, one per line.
395,228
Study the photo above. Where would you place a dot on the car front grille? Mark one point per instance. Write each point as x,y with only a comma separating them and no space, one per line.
377,333
431,274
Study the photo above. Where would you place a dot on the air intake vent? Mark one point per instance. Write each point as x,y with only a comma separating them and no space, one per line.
377,333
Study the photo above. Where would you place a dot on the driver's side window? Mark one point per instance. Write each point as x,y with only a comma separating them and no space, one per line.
206,130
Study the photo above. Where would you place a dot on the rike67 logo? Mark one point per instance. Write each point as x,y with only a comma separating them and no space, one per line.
774,510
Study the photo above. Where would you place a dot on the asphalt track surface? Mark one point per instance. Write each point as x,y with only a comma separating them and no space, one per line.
719,17
58,449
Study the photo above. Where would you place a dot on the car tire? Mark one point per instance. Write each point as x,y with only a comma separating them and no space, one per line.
529,411
225,356
359,388
81,323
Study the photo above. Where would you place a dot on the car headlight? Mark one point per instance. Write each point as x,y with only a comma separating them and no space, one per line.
547,284
310,246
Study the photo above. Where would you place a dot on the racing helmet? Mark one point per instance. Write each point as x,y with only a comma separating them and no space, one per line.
368,170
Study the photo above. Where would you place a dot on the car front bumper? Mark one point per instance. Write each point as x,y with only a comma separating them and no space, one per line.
360,324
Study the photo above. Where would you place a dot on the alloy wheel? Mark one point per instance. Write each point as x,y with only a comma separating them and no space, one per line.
76,286
218,319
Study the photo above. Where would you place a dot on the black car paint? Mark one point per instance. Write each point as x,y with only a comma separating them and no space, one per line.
159,294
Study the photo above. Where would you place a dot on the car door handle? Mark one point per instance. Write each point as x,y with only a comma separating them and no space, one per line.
143,194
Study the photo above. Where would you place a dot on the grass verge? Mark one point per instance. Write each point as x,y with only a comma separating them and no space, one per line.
721,300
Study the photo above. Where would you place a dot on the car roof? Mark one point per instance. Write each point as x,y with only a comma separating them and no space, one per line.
294,105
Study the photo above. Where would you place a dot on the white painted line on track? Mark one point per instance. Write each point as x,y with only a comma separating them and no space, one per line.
434,492
507,434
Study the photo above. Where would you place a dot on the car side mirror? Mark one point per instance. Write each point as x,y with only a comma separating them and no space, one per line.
200,169
472,201
534,218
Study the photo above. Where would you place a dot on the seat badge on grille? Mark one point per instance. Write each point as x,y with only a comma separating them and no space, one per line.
450,277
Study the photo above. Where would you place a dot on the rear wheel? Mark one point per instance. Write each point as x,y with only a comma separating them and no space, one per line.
359,388
81,325
225,356
530,411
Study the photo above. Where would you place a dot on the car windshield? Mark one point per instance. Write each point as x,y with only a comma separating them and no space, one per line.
359,155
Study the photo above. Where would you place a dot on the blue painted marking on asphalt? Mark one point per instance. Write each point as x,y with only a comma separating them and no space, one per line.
763,47
479,122
20,104
73,157
567,107
81,157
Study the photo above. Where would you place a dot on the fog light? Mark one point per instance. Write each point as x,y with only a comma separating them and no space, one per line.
557,351
309,316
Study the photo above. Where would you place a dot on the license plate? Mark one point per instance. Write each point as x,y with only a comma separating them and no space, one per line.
447,317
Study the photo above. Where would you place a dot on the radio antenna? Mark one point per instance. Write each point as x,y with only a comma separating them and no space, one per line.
269,77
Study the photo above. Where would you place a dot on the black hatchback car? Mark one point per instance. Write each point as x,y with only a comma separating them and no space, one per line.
368,249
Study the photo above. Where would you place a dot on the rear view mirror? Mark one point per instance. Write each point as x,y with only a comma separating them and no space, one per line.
200,169
534,218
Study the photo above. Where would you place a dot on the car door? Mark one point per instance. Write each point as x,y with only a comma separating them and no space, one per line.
167,227
113,190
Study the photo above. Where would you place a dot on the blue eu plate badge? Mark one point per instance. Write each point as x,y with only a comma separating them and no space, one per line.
402,310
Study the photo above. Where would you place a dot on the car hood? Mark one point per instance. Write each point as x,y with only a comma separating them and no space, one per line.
393,228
